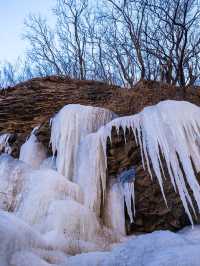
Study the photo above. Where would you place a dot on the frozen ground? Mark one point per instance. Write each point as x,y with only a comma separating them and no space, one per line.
20,245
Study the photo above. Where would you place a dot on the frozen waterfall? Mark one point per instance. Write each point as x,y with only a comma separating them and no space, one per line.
65,204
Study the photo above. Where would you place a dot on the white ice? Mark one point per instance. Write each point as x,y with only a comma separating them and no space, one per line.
171,127
69,127
12,177
32,151
43,187
4,144
158,248
54,217
113,214
20,245
91,173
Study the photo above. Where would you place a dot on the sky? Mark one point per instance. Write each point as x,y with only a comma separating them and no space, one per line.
12,15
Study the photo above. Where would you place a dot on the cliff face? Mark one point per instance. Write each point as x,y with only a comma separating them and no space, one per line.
34,102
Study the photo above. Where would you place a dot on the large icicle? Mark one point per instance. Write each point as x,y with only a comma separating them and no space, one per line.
69,126
171,127
91,173
113,214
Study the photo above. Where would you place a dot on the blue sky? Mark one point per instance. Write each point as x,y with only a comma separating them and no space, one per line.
12,15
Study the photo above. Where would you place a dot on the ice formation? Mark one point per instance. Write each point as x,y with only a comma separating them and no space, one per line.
43,187
12,176
170,129
4,144
65,205
126,181
32,151
113,215
91,173
69,127
49,163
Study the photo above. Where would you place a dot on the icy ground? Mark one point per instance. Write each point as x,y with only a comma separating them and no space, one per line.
54,208
20,245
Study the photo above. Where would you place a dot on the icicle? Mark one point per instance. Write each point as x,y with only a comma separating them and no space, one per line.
91,173
4,144
69,127
113,214
129,196
126,181
171,127
32,151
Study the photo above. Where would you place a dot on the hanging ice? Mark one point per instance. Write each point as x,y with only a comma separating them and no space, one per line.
4,144
91,171
113,214
170,129
126,181
32,151
69,127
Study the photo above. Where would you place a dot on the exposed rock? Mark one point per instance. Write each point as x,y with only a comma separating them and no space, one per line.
34,102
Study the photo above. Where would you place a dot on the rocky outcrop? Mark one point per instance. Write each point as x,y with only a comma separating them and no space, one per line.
34,102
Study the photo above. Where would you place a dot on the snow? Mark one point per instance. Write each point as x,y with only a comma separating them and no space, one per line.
21,245
69,127
32,151
158,248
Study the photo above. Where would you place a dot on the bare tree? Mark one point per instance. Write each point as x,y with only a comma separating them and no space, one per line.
173,39
72,33
42,41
